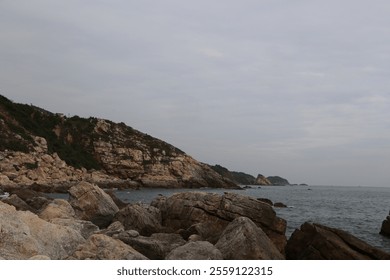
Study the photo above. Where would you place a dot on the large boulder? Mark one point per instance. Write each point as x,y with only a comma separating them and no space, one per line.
155,247
211,213
24,235
91,203
103,247
319,242
243,240
385,229
143,218
199,250
35,200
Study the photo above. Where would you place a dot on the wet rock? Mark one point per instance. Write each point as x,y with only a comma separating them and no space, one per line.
318,242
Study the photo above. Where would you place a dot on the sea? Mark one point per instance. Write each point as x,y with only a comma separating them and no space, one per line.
357,210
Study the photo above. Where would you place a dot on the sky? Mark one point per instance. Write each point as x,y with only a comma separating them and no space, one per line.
298,89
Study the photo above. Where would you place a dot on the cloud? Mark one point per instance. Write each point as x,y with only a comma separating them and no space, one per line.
284,86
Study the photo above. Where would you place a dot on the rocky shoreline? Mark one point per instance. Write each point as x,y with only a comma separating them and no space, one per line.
93,224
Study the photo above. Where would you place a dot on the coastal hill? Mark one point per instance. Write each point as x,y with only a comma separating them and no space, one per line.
38,147
242,178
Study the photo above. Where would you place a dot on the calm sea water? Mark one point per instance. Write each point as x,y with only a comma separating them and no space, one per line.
358,210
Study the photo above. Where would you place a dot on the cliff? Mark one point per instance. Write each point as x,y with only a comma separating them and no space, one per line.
38,147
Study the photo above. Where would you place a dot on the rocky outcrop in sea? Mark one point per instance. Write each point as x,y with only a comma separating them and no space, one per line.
185,226
385,229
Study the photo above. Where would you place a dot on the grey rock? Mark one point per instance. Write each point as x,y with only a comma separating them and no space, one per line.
243,240
199,250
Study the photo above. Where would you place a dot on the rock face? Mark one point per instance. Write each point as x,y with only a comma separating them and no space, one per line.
145,219
318,242
93,204
208,214
243,240
262,181
44,172
385,229
24,235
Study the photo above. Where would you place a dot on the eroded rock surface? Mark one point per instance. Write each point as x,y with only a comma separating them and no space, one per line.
318,242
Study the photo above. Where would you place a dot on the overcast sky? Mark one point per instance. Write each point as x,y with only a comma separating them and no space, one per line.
299,89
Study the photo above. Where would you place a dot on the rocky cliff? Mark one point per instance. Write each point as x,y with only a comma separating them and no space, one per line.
39,147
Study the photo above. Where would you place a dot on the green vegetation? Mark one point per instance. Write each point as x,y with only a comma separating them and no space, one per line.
26,120
240,178
72,138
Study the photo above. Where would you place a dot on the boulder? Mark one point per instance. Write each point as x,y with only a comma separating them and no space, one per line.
319,242
35,200
266,200
143,218
280,205
92,204
385,229
18,203
155,247
85,228
5,181
114,228
24,235
211,213
199,250
103,247
58,208
243,240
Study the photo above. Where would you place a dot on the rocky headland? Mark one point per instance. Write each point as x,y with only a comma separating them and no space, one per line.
52,152
242,178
